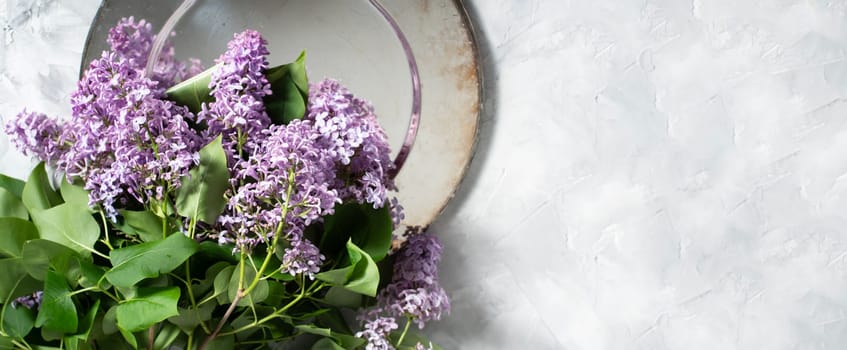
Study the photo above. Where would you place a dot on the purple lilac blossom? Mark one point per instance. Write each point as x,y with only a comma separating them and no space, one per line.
30,301
420,346
287,157
302,257
37,135
397,212
350,131
238,85
375,330
414,290
422,304
133,40
124,139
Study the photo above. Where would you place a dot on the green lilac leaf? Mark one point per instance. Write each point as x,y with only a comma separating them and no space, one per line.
207,283
326,344
369,228
12,206
288,104
40,255
14,281
348,341
57,311
194,91
129,338
68,225
201,194
312,329
189,319
150,306
335,277
362,276
290,86
85,327
6,343
87,274
344,341
137,262
334,320
221,284
74,194
110,322
37,193
18,321
166,336
338,296
216,252
144,224
17,232
257,295
13,185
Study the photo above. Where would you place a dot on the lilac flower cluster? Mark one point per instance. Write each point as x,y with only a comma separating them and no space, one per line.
238,85
414,291
283,188
37,135
30,301
125,137
375,330
133,40
124,140
350,132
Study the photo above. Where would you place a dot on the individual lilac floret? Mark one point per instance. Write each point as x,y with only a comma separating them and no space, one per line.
375,330
420,346
238,85
287,158
30,301
125,141
37,135
133,41
302,257
350,131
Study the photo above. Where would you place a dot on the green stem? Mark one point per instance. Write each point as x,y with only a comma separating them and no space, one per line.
242,292
405,329
192,226
277,234
23,345
106,230
82,291
229,311
164,219
273,315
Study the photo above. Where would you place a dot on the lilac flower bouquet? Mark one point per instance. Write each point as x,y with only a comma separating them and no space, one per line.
234,207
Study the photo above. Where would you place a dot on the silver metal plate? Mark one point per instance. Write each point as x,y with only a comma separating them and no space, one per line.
350,41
